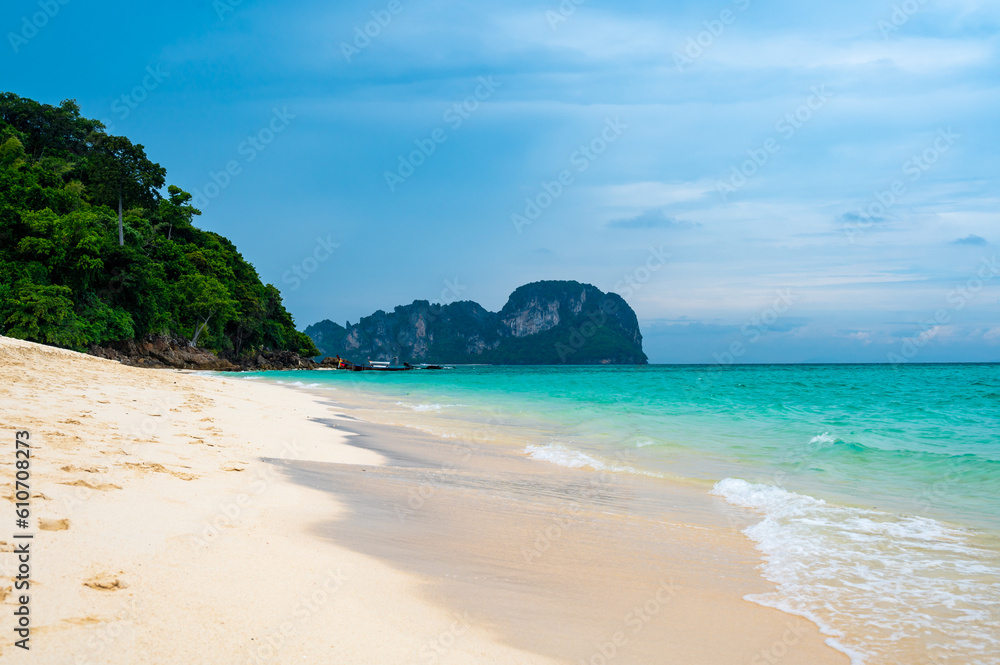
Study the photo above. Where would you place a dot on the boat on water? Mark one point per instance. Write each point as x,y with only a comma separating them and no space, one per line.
386,366
377,365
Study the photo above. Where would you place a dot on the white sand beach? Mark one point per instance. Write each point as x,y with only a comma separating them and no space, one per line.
165,531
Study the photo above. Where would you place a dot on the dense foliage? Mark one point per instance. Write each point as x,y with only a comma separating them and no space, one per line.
91,252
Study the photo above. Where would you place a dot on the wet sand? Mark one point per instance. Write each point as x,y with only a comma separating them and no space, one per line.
576,565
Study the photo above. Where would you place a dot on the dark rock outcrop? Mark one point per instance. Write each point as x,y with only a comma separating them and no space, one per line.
162,351
550,322
274,360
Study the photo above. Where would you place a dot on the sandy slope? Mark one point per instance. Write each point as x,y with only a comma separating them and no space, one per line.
161,536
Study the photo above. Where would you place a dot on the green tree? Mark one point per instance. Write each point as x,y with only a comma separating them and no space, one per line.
11,152
44,313
204,298
55,131
122,172
176,212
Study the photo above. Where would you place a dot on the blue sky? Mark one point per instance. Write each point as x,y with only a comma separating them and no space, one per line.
762,181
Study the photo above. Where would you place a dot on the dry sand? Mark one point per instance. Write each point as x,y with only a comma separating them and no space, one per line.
190,519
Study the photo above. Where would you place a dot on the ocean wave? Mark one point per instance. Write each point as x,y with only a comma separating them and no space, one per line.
878,584
828,445
555,453
427,407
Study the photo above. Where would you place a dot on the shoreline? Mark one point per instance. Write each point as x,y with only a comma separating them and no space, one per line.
553,558
199,531
833,563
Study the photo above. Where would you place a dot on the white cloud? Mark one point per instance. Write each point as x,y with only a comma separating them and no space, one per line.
860,336
645,195
912,55
589,32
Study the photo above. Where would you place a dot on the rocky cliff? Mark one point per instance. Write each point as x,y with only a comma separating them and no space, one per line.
542,323
164,351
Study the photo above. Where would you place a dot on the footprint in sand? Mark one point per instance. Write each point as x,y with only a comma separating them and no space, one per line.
159,468
87,469
100,487
105,582
53,525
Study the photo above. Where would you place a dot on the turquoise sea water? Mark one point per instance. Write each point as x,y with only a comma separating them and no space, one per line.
877,486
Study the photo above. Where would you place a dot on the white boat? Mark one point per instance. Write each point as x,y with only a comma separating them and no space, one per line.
386,366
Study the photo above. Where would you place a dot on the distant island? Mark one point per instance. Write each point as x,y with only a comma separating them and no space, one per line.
543,323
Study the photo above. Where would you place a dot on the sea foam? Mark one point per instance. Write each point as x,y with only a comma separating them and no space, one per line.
880,585
427,407
555,453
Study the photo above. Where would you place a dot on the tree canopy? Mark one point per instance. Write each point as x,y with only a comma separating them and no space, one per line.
119,172
73,275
